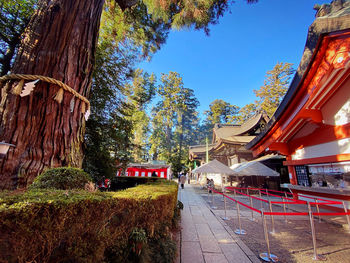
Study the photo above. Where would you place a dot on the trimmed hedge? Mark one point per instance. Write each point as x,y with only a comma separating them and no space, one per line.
124,182
79,226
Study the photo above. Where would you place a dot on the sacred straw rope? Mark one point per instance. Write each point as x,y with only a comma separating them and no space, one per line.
46,79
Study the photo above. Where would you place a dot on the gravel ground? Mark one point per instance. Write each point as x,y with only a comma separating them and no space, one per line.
292,240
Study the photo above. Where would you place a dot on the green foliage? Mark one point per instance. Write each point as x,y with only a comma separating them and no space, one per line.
138,235
61,178
132,30
245,113
79,226
275,86
139,94
220,112
107,144
180,13
163,250
14,16
108,132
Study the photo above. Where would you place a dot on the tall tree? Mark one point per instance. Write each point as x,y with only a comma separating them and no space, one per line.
187,119
164,115
139,93
275,86
60,42
173,121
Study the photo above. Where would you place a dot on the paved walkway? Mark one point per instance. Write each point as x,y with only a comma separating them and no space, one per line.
205,237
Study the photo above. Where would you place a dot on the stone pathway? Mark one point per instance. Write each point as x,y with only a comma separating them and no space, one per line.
205,237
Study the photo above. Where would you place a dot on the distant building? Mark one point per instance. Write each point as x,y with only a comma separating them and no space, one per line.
311,127
229,140
155,168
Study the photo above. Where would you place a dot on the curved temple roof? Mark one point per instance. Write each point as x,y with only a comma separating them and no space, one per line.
231,134
224,131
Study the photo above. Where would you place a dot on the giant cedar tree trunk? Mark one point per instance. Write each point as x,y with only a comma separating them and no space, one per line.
59,42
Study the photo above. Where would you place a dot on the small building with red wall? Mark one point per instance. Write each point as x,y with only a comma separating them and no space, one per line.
146,170
311,127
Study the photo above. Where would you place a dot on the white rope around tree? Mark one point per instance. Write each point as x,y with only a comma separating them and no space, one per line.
18,89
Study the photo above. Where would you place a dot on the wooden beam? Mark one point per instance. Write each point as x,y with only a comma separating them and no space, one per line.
314,115
280,147
323,159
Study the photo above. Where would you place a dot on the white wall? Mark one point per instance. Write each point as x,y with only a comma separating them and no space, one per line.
325,149
336,110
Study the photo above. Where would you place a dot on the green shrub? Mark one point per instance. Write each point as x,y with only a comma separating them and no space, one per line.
80,226
61,178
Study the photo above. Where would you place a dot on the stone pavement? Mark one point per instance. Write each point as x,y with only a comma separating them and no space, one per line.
205,237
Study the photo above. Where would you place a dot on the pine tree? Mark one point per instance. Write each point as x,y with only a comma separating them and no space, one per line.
139,94
219,111
275,86
174,120
245,113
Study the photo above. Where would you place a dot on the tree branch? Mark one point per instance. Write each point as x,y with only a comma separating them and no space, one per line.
124,4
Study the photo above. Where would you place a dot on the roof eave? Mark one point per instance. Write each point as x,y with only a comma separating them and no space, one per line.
320,28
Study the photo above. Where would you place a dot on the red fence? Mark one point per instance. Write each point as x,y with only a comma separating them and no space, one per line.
284,201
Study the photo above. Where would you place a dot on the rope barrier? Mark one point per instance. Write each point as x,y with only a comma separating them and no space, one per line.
326,203
281,192
264,191
257,198
48,80
228,187
335,202
294,201
280,202
268,256
287,214
331,214
289,203
254,197
277,196
252,208
274,202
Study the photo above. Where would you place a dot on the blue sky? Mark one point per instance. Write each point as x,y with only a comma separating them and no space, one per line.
233,61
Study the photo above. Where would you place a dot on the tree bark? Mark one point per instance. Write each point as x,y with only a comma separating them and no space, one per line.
59,42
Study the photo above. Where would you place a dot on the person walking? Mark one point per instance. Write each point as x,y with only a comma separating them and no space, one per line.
182,180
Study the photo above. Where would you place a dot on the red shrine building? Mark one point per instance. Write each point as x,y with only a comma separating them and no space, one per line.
154,168
311,127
